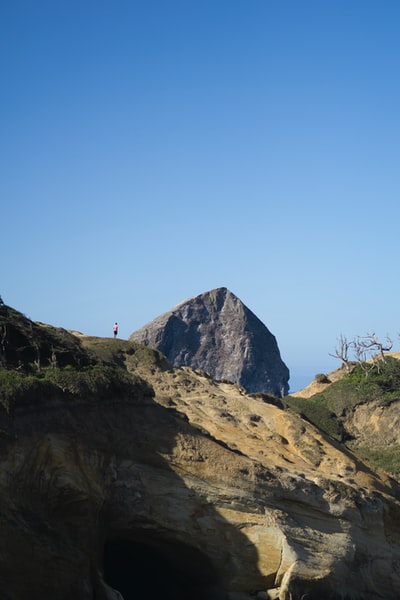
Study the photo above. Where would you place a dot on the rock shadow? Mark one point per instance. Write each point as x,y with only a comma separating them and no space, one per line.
92,502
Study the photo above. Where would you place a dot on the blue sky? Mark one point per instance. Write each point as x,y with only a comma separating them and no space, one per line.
152,150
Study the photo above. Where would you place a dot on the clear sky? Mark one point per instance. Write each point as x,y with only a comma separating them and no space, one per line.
153,150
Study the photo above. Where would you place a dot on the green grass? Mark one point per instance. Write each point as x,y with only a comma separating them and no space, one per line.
124,353
41,361
13,385
327,410
357,388
387,459
318,413
93,382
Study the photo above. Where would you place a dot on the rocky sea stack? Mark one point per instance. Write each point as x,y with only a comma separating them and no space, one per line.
215,332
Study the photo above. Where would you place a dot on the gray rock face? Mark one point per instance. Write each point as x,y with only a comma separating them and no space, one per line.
217,333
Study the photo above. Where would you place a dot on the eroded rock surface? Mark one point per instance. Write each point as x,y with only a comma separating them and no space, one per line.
174,486
217,333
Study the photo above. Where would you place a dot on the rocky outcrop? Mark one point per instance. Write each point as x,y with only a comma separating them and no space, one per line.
26,345
217,333
178,487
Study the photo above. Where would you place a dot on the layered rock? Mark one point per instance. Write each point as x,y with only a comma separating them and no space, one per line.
217,333
175,486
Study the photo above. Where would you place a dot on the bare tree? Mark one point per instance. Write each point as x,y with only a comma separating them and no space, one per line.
372,344
369,351
342,351
363,356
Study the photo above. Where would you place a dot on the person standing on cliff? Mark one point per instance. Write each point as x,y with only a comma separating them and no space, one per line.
115,328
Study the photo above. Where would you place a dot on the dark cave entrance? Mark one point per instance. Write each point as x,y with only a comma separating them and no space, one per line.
158,569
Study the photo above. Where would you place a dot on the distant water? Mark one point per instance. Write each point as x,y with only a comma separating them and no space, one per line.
302,377
299,381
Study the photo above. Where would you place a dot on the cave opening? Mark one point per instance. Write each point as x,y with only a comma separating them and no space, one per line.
159,569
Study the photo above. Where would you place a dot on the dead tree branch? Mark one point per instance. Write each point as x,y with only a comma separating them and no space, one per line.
342,351
372,344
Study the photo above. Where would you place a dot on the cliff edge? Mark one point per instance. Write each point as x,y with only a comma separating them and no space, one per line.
120,474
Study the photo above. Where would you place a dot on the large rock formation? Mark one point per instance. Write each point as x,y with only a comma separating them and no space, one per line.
217,333
131,475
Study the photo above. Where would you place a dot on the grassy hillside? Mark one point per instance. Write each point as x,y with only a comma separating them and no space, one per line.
331,409
38,362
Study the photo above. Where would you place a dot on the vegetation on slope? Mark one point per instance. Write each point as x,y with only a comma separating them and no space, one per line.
328,409
38,362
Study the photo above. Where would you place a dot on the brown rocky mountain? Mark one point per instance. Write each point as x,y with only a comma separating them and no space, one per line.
217,333
128,474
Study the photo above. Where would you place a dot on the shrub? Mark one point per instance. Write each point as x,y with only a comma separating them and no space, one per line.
387,459
318,413
322,378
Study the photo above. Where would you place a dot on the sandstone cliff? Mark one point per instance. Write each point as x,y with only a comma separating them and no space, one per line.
130,475
217,333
